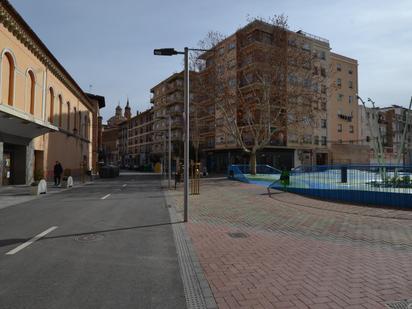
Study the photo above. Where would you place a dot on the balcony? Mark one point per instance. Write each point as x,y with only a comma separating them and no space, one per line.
345,117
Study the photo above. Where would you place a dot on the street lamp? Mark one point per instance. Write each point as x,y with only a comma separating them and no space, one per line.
172,52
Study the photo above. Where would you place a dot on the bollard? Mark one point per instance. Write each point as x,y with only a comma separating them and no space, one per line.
195,179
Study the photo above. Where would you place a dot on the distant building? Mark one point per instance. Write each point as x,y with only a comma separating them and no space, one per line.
140,139
389,123
115,136
167,100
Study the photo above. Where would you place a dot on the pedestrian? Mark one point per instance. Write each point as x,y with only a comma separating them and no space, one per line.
58,170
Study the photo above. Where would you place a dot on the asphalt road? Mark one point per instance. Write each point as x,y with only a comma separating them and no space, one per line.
100,250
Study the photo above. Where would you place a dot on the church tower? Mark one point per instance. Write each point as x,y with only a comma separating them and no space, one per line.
127,110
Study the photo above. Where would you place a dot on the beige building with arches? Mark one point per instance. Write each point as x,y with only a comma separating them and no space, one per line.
44,115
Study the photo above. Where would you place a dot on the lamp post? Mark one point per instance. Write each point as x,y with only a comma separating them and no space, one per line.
172,52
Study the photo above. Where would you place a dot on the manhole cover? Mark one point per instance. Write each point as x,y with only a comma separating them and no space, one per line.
400,304
238,235
89,237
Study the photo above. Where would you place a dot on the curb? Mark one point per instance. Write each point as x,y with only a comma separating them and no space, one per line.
197,290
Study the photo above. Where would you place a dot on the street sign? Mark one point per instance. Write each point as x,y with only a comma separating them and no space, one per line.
165,52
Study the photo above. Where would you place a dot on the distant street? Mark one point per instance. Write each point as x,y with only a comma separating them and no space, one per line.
105,245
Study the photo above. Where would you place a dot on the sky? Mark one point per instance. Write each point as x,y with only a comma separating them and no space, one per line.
109,44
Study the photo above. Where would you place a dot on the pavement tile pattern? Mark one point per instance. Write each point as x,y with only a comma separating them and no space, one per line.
297,252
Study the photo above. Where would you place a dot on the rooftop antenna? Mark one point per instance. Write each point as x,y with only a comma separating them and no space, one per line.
90,88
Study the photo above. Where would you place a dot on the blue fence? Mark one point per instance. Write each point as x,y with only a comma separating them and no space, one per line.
385,185
265,174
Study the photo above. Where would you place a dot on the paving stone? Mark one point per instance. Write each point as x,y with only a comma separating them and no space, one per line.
299,252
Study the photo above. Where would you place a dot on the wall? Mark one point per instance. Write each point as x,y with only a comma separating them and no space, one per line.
347,153
67,146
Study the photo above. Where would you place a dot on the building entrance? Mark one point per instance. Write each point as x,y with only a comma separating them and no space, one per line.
6,168
14,164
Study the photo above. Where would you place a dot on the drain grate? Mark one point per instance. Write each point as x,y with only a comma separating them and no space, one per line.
89,237
400,304
238,235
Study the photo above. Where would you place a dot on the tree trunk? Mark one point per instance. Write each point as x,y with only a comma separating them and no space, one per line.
252,162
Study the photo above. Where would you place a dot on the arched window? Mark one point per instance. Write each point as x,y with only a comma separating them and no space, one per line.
86,126
60,111
7,78
80,123
51,107
32,93
68,116
74,119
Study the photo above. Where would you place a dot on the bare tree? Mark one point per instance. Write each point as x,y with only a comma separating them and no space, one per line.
273,89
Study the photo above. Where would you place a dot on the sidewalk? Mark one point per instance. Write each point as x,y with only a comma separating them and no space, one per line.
288,251
13,195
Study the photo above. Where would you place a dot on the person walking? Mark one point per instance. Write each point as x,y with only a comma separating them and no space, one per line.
58,170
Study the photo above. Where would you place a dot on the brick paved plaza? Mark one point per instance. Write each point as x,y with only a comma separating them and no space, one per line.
297,252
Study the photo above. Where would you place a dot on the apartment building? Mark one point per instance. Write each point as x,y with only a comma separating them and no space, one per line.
388,123
45,115
343,114
310,140
168,103
140,138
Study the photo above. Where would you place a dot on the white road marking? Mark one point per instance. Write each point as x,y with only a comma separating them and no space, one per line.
106,196
28,243
124,186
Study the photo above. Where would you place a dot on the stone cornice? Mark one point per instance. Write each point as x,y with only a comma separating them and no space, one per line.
13,22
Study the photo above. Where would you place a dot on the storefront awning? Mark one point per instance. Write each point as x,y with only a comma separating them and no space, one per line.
23,125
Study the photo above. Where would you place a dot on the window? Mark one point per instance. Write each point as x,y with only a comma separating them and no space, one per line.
350,72
7,78
231,64
351,129
323,141
350,84
60,110
323,123
307,139
350,99
232,82
340,97
231,45
68,116
220,70
340,141
86,127
221,51
322,55
339,128
306,46
316,140
323,89
315,70
51,107
338,67
32,92
339,82
74,119
323,72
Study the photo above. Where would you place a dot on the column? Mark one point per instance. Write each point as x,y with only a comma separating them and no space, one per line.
1,163
29,163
